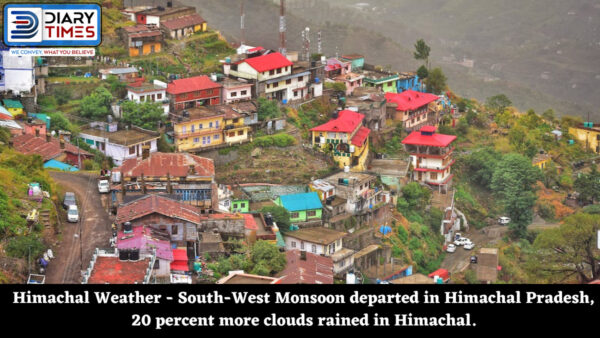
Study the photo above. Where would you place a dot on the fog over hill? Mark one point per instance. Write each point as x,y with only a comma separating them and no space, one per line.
541,53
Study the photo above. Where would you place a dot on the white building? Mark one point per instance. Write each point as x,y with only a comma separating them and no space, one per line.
16,73
120,145
149,92
322,241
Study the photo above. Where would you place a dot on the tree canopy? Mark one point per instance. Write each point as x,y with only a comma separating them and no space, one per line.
267,109
422,51
145,115
96,106
498,103
436,81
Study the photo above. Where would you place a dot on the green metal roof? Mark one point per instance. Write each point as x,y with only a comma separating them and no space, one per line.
8,103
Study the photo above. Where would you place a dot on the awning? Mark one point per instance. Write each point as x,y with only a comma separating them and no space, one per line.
179,266
180,255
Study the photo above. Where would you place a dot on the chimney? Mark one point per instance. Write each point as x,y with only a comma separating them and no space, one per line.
62,144
145,152
37,132
48,137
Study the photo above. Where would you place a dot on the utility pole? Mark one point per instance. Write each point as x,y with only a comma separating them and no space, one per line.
78,155
320,44
282,27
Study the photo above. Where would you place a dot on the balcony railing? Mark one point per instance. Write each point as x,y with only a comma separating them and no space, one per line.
199,132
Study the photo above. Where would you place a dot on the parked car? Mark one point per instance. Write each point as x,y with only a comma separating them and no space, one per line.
503,220
462,241
451,248
469,245
103,187
473,259
73,214
69,200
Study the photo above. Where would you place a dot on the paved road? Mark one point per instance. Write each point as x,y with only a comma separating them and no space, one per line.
93,229
460,259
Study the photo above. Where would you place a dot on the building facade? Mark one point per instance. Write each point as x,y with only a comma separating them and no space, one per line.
193,92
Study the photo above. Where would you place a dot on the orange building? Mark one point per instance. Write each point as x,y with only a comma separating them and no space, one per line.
142,39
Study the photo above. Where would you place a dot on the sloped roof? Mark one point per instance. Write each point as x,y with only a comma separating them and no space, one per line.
174,164
150,204
30,144
426,137
8,103
318,235
410,99
315,269
191,84
268,62
361,136
346,122
183,22
299,202
146,239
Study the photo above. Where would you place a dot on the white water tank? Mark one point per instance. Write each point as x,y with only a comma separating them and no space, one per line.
347,169
350,278
116,177
352,149
322,140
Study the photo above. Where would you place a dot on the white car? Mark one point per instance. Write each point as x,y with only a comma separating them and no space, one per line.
462,241
469,246
451,248
73,214
504,220
103,187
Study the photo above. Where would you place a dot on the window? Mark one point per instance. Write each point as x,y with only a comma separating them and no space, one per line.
217,124
244,92
311,213
342,263
235,205
193,127
295,94
433,176
183,129
243,205
197,140
159,96
216,137
131,150
294,215
241,133
200,126
293,244
272,72
174,230
279,71
232,134
288,81
156,264
301,245
314,248
210,124
276,84
209,92
233,94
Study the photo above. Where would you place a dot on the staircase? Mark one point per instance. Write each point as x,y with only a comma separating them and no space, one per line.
45,217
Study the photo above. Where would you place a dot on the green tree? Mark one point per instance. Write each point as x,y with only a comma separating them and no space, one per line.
97,104
569,250
280,215
436,82
267,258
63,95
145,115
337,86
422,72
513,183
4,135
498,103
422,51
549,115
588,186
480,166
267,109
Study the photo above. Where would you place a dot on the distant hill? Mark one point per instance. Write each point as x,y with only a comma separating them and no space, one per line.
541,53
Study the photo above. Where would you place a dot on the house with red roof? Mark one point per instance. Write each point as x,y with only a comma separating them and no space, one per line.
119,267
184,26
149,241
413,108
346,138
50,148
193,92
307,268
273,76
431,156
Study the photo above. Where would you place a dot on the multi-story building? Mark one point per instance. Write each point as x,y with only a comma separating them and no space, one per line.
157,16
359,190
322,241
142,39
193,92
384,81
431,156
236,91
149,92
372,103
16,72
346,138
304,208
588,134
413,109
199,127
273,77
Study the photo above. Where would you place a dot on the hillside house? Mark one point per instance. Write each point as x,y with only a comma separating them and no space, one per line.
17,73
50,148
149,92
122,144
431,157
158,15
236,91
370,102
409,81
588,134
357,61
387,82
306,268
322,241
149,241
142,39
346,138
14,107
305,208
184,26
541,160
413,108
359,190
200,127
193,92
128,74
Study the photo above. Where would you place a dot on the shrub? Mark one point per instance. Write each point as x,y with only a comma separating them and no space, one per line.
547,211
21,247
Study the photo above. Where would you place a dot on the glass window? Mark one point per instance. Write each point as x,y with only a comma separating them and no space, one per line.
216,137
244,92
314,248
301,245
293,244
311,213
196,140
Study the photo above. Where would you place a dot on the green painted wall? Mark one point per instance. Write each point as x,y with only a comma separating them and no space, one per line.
242,205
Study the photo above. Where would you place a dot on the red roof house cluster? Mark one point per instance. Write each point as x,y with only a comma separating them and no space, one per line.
31,145
150,204
410,99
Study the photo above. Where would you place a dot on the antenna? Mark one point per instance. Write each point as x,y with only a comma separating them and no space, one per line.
319,44
242,25
282,27
307,44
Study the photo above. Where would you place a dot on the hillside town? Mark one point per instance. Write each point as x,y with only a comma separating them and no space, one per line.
176,157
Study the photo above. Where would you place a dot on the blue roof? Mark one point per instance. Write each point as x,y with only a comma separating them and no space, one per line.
299,202
54,164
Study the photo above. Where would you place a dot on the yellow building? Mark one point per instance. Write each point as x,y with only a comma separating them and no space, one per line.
200,127
142,39
588,135
235,131
14,107
541,161
345,138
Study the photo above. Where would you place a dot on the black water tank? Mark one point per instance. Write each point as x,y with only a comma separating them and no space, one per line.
134,255
124,255
269,219
127,227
